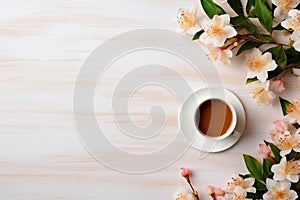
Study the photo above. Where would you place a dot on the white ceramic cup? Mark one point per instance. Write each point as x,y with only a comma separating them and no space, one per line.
230,129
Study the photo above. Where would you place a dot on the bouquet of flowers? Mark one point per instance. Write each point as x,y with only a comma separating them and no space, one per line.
266,32
277,175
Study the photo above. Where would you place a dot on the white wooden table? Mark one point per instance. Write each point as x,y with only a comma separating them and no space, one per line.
43,45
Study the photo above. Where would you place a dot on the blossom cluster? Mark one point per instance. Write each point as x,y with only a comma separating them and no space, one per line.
278,175
185,195
266,33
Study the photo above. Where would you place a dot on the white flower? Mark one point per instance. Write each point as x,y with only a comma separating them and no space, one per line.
259,64
287,142
296,45
293,112
296,38
286,170
188,20
284,6
279,191
217,54
246,184
261,93
282,37
293,22
238,194
183,195
217,30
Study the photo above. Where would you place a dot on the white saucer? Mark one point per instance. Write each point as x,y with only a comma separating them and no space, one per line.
188,128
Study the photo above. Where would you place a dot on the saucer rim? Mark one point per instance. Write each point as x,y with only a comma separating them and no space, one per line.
221,144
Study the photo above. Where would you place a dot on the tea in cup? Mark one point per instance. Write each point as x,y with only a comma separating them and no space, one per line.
215,118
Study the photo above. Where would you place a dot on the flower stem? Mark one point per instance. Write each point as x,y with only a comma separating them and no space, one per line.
195,193
294,65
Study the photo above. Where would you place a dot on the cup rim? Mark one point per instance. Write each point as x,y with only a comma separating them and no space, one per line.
230,129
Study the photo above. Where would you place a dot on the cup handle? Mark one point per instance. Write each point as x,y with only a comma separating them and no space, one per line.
236,134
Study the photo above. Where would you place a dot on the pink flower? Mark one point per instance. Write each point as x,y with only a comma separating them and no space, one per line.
276,85
219,55
273,134
185,172
264,151
281,125
215,192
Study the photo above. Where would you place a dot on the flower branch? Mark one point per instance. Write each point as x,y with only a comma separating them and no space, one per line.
276,174
193,195
267,34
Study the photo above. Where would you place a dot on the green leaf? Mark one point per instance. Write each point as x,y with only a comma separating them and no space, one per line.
293,155
282,59
254,167
259,185
266,38
275,150
250,80
291,52
285,104
236,5
251,195
211,9
267,164
278,54
250,6
237,21
250,27
247,46
241,22
292,55
252,13
197,35
264,14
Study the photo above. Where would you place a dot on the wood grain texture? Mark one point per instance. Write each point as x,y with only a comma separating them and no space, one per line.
43,44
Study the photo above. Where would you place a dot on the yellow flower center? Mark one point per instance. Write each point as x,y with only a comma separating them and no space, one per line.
285,3
186,20
294,22
297,18
292,167
181,196
280,194
256,64
214,31
238,196
293,110
213,54
238,181
257,92
287,142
